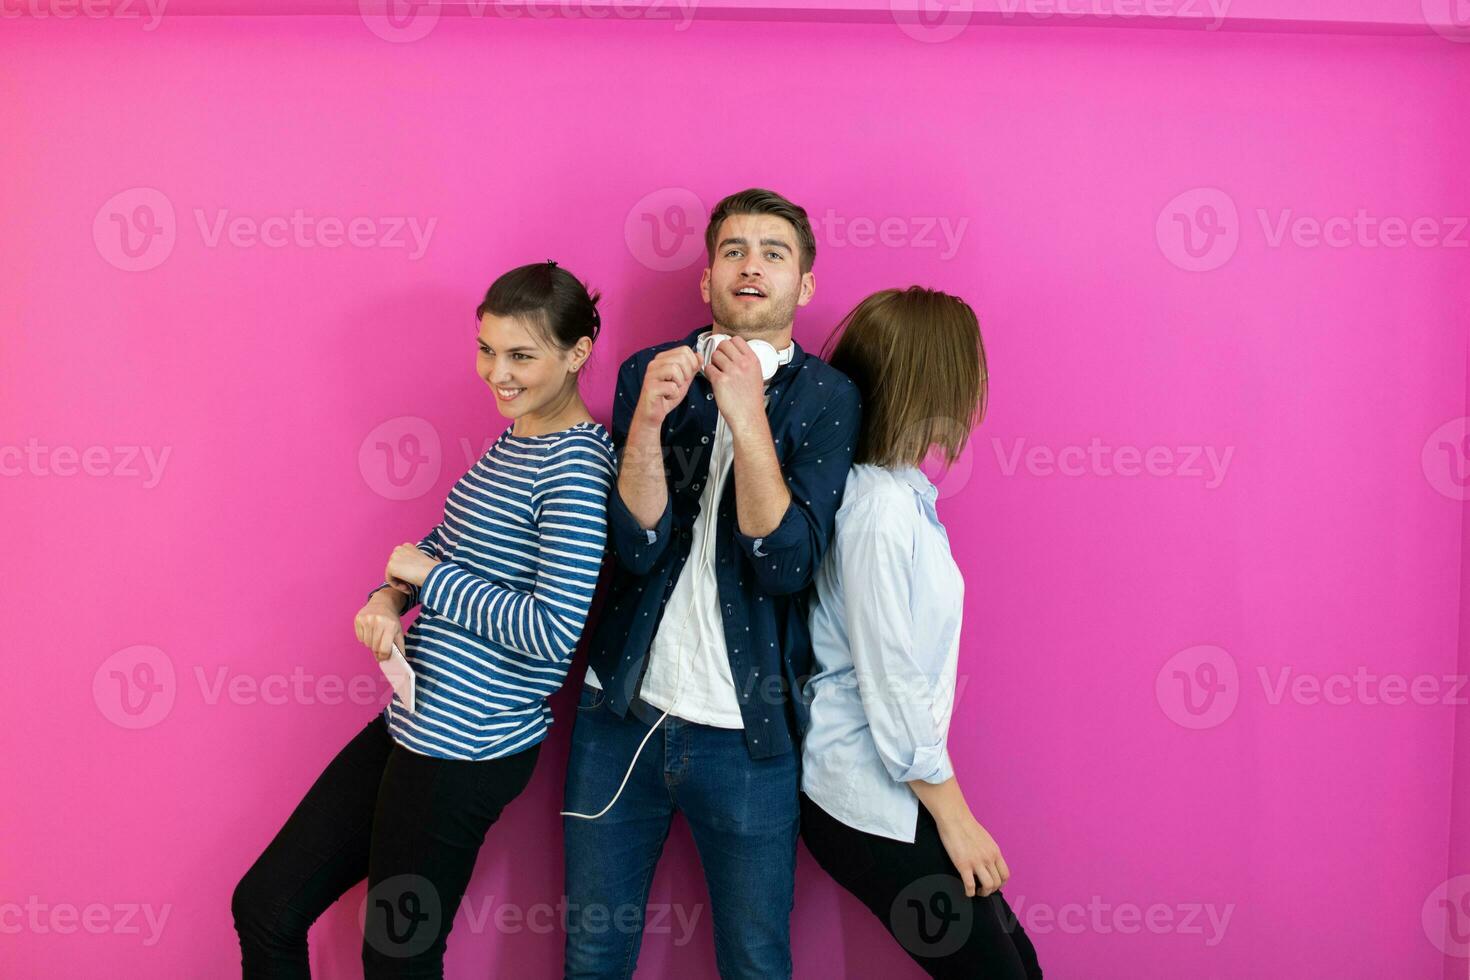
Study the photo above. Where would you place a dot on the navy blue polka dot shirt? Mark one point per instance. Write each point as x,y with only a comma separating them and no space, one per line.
814,413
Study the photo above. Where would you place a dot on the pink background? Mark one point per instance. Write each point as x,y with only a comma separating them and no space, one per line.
1335,542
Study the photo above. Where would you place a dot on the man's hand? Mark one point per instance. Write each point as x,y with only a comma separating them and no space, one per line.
641,478
734,371
665,383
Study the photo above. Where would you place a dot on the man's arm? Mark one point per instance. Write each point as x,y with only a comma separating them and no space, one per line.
785,560
640,514
641,480
784,519
761,496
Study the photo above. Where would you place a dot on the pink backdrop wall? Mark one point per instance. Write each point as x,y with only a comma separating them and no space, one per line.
1217,507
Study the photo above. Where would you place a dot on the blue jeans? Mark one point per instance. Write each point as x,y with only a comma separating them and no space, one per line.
744,814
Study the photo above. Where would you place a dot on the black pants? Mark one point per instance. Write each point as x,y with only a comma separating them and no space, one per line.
412,825
916,892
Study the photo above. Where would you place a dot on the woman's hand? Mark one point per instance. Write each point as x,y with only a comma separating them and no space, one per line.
974,852
378,627
969,845
408,565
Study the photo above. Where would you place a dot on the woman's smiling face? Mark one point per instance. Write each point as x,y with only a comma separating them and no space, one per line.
526,374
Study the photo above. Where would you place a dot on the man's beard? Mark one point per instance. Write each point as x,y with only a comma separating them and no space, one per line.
775,314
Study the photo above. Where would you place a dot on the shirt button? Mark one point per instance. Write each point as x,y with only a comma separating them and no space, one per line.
704,438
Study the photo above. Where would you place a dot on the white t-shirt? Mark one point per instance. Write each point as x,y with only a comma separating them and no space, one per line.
691,634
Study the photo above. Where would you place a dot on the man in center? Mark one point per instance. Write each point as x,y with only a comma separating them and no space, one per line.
733,456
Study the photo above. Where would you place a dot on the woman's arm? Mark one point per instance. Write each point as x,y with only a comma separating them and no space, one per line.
570,504
378,623
389,593
969,845
876,548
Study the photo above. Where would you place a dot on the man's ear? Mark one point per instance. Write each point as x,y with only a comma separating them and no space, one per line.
704,284
808,288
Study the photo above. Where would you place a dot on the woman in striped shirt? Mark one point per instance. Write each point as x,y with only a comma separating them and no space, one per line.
504,582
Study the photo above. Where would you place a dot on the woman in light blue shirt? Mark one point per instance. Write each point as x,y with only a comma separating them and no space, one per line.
881,810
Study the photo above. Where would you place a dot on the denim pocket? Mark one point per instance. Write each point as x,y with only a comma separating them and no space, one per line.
590,698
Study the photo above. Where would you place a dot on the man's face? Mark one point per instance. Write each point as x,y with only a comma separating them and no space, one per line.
755,283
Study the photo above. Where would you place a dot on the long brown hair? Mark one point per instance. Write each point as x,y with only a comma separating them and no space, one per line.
918,361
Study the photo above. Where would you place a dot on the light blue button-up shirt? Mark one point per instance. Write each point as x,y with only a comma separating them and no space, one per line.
885,627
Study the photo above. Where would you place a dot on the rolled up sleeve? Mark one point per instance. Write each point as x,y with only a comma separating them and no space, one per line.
637,547
785,560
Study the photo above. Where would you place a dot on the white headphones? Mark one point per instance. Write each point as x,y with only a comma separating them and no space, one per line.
770,359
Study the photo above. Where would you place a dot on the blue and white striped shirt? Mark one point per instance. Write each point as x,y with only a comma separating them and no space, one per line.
519,550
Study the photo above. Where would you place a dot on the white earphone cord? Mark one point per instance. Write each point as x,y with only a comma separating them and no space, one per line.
678,685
